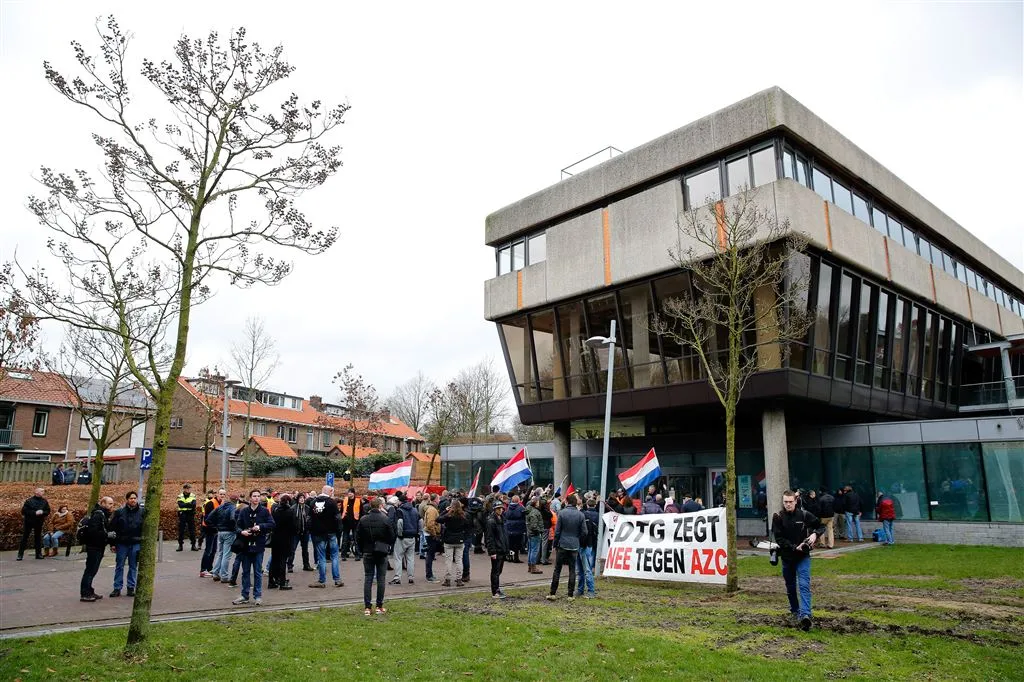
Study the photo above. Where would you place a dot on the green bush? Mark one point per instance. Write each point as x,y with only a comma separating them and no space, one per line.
261,466
315,466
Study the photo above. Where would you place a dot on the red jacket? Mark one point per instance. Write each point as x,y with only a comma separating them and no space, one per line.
885,510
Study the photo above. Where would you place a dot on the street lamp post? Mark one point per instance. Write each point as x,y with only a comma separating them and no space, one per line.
228,383
597,342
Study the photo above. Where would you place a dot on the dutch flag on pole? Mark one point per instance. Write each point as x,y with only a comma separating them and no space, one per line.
643,473
392,476
512,473
476,482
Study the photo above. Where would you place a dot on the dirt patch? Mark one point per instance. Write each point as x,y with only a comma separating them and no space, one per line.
985,585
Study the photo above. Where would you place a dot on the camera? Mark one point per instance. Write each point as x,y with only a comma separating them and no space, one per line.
773,557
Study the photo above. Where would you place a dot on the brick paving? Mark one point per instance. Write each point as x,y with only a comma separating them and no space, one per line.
42,595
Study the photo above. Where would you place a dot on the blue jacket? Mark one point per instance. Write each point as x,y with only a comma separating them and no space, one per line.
515,519
223,517
247,518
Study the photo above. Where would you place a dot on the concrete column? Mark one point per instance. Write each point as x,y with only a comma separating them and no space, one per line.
776,456
561,443
641,338
1011,388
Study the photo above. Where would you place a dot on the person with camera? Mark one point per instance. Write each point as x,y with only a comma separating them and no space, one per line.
97,536
795,531
253,524
375,536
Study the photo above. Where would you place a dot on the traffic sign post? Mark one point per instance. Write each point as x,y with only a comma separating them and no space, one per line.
330,478
145,462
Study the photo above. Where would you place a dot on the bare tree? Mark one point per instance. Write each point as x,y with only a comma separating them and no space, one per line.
19,329
484,393
442,419
741,313
361,423
105,394
213,414
531,432
253,360
409,400
191,190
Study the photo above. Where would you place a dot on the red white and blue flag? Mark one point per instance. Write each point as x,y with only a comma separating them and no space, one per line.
476,482
392,476
643,473
512,473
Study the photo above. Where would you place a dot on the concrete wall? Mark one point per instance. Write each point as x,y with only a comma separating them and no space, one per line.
643,230
910,272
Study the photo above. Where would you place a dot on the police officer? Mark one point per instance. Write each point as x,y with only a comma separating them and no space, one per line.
187,517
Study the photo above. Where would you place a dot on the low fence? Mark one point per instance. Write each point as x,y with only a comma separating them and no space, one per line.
36,472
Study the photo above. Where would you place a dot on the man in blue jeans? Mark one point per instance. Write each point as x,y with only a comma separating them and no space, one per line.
324,527
851,502
795,531
254,523
127,523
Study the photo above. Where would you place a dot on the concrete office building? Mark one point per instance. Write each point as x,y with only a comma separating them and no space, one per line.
916,322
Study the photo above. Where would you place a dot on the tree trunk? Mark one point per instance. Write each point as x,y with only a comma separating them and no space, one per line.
430,471
97,478
138,629
732,579
248,434
206,465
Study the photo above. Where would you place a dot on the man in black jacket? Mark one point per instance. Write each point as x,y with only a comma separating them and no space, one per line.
826,513
375,536
127,524
34,512
324,527
97,537
496,541
851,504
570,533
795,531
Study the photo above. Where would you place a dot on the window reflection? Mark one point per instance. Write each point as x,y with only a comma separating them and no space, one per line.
600,313
822,184
1004,478
549,365
955,482
865,337
882,333
574,354
798,279
843,198
518,255
843,336
538,248
763,162
822,331
639,342
703,188
738,173
517,342
682,363
899,473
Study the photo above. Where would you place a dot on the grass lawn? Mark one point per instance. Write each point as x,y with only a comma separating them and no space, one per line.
900,613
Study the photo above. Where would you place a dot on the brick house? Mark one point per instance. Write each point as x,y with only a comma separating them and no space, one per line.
307,426
41,421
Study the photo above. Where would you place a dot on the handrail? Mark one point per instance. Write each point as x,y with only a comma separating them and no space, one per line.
610,149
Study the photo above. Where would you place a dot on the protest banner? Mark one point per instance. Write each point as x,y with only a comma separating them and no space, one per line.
679,547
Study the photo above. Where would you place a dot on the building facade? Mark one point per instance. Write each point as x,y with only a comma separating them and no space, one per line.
914,318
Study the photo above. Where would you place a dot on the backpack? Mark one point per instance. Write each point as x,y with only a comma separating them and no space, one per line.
82,529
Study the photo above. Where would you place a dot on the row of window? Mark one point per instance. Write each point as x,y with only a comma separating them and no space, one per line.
870,336
523,251
796,166
728,176
862,333
266,398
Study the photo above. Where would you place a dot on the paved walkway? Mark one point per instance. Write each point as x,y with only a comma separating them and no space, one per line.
39,596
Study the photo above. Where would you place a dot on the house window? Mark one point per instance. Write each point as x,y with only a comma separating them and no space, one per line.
280,432
32,457
95,422
40,422
703,188
325,438
537,248
310,441
259,429
292,435
176,423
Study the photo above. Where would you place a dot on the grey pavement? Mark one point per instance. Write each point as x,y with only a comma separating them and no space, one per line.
40,596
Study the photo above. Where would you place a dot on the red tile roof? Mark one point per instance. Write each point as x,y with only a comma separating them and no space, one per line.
340,451
42,388
421,456
307,416
273,447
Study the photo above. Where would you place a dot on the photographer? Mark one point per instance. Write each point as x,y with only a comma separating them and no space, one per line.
253,524
795,531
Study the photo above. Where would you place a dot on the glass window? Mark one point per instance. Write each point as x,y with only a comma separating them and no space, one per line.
801,170
822,184
882,342
703,188
40,422
878,220
538,247
639,341
822,332
787,164
805,469
955,486
518,347
1004,480
896,230
549,365
738,173
518,255
280,431
798,278
928,368
763,162
865,337
292,435
899,472
860,208
947,264
942,351
574,354
505,260
843,323
459,475
843,198
899,343
852,467
600,313
749,466
680,360
969,276
914,349
924,248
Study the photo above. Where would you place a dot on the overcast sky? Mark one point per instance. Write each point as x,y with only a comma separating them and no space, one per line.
461,108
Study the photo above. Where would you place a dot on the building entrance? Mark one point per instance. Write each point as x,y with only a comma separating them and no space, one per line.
686,481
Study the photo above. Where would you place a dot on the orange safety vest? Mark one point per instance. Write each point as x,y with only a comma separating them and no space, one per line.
355,507
216,504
